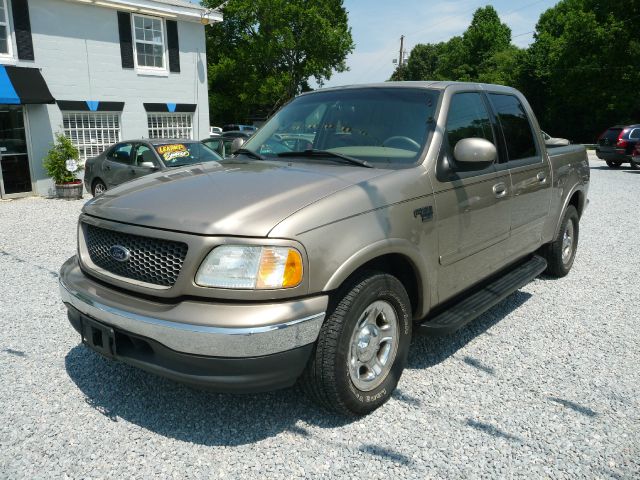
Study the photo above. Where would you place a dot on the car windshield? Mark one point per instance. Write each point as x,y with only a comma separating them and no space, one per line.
378,125
179,153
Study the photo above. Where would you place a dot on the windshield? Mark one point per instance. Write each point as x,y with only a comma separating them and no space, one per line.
377,125
185,153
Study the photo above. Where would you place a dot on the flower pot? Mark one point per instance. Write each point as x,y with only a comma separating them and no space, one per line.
69,191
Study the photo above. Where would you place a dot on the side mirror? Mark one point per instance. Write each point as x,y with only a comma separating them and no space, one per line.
148,165
237,144
475,150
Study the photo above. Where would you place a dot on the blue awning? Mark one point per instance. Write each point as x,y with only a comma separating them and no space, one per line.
23,86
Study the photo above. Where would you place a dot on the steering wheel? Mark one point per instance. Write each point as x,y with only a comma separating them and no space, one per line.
405,140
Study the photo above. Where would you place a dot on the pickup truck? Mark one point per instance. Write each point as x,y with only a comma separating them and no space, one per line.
413,208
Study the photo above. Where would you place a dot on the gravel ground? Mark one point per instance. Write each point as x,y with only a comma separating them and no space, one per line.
543,385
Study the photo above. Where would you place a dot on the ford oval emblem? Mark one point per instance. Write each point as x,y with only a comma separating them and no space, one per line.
119,253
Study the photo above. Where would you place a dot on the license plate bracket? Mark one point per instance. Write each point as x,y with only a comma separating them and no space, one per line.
98,337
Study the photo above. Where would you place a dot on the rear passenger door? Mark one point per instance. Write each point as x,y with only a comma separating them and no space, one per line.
530,173
472,201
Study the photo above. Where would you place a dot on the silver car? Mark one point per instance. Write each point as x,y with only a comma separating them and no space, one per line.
132,159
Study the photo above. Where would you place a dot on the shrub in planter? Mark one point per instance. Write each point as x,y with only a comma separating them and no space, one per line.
62,163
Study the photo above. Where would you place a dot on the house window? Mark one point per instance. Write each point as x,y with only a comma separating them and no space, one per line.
149,41
91,133
5,34
170,125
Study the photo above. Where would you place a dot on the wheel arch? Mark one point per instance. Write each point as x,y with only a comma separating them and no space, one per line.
396,257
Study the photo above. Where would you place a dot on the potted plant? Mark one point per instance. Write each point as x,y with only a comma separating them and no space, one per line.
62,163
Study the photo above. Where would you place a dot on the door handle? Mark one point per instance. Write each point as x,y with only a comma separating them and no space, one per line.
107,167
542,177
499,190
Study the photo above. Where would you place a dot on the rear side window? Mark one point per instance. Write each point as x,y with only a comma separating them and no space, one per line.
121,153
468,118
518,134
635,134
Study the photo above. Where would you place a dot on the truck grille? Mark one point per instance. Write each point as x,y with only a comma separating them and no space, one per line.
150,260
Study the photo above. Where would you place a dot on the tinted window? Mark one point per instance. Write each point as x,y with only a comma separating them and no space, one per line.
515,125
121,153
185,153
635,134
468,118
611,134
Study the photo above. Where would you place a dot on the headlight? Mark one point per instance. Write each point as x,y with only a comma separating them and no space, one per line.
249,267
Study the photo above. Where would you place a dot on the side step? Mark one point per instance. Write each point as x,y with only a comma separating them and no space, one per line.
471,306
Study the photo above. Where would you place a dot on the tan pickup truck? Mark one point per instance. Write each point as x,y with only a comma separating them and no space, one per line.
354,218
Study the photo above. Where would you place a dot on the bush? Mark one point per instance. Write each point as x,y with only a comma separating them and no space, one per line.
57,164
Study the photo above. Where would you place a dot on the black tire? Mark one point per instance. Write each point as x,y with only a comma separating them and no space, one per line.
557,265
614,164
96,185
327,379
635,165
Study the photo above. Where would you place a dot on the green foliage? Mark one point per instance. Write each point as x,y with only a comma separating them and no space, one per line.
55,163
483,51
580,75
266,51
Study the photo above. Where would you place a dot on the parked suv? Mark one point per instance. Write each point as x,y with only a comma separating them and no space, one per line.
616,145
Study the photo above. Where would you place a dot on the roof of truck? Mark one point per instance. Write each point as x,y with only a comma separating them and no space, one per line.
432,84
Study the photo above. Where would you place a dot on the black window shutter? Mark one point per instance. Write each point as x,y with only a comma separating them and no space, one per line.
22,27
174,46
126,42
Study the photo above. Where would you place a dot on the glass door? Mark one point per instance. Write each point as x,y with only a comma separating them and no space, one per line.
15,176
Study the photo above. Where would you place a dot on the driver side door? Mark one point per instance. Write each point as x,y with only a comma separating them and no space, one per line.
472,201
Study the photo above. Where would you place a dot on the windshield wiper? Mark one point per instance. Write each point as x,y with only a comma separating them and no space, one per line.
327,153
249,153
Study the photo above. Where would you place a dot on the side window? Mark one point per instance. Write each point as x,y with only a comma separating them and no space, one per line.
145,154
635,134
121,153
518,134
468,118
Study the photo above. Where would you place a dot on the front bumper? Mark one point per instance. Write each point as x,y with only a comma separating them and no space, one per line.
225,346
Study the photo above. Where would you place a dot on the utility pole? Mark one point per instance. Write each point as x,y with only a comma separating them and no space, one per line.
401,57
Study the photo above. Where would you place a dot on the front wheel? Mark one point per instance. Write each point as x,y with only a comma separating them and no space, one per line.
562,251
362,347
613,164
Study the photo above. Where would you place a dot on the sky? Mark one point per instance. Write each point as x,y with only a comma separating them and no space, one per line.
376,26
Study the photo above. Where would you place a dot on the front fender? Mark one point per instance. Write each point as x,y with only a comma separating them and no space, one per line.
378,249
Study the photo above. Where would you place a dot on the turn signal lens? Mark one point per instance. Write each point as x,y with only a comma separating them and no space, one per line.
279,268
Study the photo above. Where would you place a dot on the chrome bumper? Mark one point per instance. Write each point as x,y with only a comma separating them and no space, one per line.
198,327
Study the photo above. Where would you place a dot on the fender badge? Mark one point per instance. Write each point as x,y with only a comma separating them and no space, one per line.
425,213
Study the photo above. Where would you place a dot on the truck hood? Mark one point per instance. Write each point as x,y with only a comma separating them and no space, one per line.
243,198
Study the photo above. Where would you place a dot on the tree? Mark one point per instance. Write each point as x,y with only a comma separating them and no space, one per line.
483,51
581,72
266,51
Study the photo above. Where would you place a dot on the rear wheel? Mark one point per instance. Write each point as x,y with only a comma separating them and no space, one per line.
362,347
635,165
562,251
613,164
98,187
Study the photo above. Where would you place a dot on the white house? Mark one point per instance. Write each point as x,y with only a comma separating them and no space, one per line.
99,72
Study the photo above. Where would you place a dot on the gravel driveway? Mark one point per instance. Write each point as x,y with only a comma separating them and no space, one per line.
546,384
